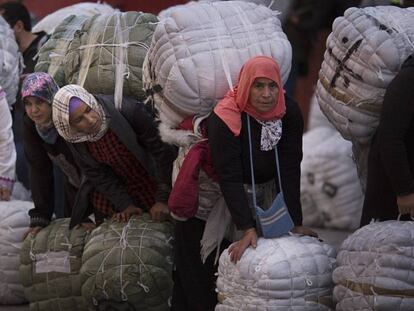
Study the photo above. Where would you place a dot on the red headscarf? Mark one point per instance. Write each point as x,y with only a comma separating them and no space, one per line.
229,109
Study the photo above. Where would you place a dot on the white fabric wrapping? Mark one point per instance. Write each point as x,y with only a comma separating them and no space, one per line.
51,21
316,116
288,273
10,62
364,52
375,268
14,222
331,194
199,48
7,147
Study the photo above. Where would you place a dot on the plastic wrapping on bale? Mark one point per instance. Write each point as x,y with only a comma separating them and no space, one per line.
52,54
375,268
363,54
14,222
107,54
10,62
288,273
331,194
50,265
199,48
128,265
49,23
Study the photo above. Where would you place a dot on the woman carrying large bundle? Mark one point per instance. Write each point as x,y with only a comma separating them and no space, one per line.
119,151
258,96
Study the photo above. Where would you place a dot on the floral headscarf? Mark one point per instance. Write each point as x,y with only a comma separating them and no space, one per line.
40,85
60,113
44,87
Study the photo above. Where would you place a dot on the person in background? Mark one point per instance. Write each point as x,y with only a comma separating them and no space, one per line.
7,150
119,151
18,17
44,147
390,178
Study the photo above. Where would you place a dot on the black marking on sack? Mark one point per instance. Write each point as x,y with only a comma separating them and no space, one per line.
341,63
329,189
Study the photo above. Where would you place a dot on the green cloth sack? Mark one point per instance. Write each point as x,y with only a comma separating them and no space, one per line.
128,266
50,264
52,53
107,54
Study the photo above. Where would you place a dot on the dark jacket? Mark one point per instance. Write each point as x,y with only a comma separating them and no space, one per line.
391,157
40,156
232,162
137,130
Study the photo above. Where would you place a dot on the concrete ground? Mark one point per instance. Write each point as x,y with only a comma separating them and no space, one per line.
333,237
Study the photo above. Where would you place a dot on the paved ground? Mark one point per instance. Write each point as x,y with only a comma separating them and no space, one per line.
332,237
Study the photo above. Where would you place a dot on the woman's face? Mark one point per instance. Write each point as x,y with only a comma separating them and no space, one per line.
85,120
38,110
263,94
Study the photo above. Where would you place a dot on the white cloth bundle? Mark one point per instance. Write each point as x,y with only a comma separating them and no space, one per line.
14,222
375,268
331,194
364,52
10,62
288,273
51,21
7,147
198,49
316,116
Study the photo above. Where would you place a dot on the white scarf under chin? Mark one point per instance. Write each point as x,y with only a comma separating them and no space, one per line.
271,134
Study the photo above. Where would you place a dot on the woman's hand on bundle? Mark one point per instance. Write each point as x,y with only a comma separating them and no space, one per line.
304,231
33,231
237,249
159,211
406,204
126,214
5,194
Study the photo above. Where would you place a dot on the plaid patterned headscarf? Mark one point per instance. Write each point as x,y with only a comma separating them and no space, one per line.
40,85
60,113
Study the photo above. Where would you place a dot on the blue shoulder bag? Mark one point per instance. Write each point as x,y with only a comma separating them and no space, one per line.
275,221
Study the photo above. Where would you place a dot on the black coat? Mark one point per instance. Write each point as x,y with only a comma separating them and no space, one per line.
39,155
391,157
137,130
231,159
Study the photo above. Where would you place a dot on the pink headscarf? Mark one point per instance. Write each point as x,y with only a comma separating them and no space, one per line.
229,109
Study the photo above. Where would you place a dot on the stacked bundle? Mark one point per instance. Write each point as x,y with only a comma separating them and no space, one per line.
10,62
50,265
198,49
14,222
375,266
128,265
49,23
331,195
364,52
288,273
52,53
107,54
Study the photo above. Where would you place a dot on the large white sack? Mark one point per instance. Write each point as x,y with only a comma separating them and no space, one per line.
375,268
331,194
288,273
282,6
198,49
14,222
10,62
316,116
364,52
51,21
